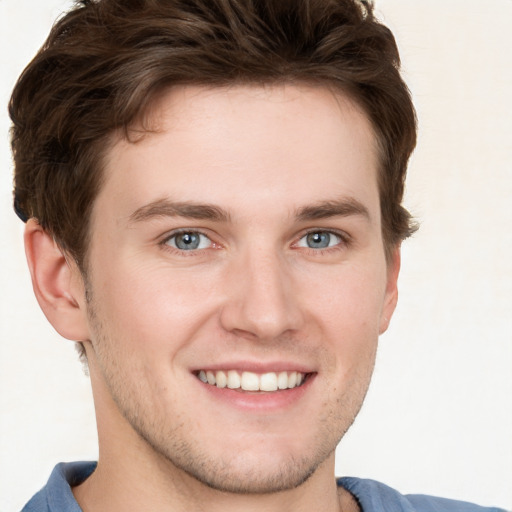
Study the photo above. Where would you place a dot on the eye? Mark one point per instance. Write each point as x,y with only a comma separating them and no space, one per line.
189,241
320,240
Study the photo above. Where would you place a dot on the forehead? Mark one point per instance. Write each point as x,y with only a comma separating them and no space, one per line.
273,144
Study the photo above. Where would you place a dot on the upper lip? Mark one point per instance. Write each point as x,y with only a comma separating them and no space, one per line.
257,366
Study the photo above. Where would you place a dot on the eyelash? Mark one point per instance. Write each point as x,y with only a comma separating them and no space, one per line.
164,243
345,241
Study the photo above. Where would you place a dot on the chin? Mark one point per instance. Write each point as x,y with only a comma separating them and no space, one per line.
256,464
242,475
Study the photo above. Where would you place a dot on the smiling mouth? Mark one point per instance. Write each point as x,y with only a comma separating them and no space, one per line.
249,381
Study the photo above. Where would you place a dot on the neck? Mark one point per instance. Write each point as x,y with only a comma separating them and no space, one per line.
130,484
134,478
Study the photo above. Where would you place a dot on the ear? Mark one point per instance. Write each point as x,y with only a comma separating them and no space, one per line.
57,282
391,294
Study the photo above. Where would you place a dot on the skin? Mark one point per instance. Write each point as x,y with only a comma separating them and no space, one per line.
253,296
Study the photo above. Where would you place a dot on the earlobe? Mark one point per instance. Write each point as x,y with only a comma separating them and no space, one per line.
57,283
391,296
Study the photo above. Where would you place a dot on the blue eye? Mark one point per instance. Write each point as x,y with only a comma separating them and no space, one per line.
189,241
320,240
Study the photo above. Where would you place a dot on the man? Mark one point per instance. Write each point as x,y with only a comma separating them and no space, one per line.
213,195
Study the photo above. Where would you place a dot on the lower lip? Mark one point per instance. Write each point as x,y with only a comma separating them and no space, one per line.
259,400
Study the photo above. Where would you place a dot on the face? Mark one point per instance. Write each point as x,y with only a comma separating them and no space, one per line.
238,284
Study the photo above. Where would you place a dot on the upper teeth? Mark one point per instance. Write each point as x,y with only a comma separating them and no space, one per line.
249,381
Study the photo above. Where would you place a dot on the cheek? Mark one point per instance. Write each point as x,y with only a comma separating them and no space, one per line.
151,305
347,314
350,299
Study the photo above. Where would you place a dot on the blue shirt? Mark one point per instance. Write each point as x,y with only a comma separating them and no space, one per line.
372,496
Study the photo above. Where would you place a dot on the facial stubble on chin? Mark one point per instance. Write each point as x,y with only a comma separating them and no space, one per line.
233,473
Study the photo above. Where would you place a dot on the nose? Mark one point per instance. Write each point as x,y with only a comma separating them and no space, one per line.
262,300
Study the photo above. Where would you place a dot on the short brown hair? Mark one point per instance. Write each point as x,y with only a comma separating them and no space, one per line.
105,61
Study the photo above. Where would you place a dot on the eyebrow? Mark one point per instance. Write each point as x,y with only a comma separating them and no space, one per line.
199,211
344,207
190,210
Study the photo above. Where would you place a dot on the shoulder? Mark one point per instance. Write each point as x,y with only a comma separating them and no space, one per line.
56,495
377,497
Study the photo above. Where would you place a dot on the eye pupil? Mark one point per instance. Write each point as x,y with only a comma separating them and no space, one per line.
187,241
318,240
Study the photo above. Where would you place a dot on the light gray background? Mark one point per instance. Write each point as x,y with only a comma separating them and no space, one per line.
438,418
